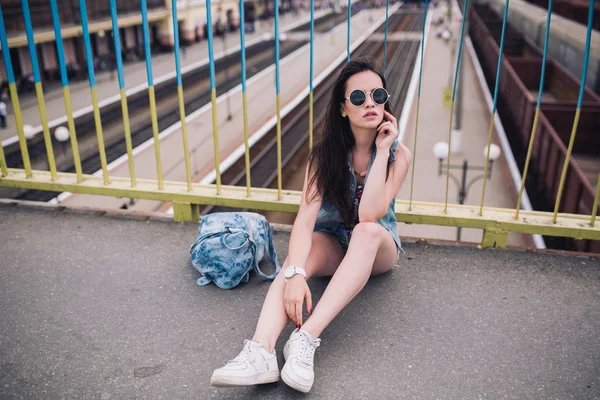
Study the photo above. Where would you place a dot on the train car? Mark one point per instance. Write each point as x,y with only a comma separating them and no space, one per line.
520,89
518,93
549,153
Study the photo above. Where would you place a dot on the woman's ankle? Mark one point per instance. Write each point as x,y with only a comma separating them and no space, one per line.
267,344
315,333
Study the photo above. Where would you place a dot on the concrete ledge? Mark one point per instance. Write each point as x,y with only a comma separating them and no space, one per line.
105,307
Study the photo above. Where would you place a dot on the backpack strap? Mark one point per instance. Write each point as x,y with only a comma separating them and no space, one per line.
272,254
203,280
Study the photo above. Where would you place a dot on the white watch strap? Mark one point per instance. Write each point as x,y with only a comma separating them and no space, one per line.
298,270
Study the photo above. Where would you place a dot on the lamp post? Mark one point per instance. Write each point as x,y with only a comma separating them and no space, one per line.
61,134
440,151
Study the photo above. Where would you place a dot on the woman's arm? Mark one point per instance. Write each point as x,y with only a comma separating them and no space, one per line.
301,237
379,192
296,290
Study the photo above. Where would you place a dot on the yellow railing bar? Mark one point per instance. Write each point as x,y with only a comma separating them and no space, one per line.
122,90
213,94
66,90
242,29
188,170
186,149
279,183
92,80
155,135
532,222
586,56
19,122
246,144
99,134
72,134
310,120
414,161
151,95
38,87
595,206
3,168
449,147
537,109
487,163
127,130
47,138
421,56
213,99
527,160
563,175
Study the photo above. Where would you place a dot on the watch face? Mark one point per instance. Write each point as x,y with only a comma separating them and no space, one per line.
289,272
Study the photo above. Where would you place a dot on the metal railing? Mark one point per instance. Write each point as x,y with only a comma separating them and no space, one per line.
188,196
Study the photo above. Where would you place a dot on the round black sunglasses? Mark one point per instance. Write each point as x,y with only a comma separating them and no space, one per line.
358,97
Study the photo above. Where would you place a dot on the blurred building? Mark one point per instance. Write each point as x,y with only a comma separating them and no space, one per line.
191,18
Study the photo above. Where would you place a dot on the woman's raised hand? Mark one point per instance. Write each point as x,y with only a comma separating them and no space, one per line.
296,291
387,132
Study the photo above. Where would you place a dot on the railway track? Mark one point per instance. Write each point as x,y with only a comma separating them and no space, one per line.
196,94
294,132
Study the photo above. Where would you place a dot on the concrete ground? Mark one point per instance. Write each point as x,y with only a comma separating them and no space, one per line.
106,307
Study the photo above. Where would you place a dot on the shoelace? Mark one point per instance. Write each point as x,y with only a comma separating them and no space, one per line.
244,354
307,349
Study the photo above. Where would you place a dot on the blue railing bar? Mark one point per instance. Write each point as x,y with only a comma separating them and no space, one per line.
30,41
276,35
312,41
117,41
502,36
422,47
387,5
460,46
242,46
176,40
348,39
59,44
586,54
546,39
6,54
86,42
147,42
211,55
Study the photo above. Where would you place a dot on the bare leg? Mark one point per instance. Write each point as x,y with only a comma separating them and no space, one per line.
372,251
324,257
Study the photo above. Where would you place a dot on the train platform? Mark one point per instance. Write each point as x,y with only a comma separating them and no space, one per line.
330,50
439,67
163,64
106,306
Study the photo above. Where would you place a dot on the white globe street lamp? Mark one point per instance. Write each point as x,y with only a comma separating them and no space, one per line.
440,151
494,152
29,131
61,134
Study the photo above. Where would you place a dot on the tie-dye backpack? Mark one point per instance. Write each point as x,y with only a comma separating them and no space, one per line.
229,246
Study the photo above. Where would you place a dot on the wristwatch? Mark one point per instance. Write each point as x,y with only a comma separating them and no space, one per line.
291,271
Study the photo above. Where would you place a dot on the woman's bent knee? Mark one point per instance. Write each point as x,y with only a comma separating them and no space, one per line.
368,233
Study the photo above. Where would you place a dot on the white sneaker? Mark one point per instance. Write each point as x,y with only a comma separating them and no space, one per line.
253,366
299,352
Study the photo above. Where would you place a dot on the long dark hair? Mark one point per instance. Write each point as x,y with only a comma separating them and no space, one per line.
328,160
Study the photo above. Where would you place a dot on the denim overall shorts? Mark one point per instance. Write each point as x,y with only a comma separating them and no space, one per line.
330,220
